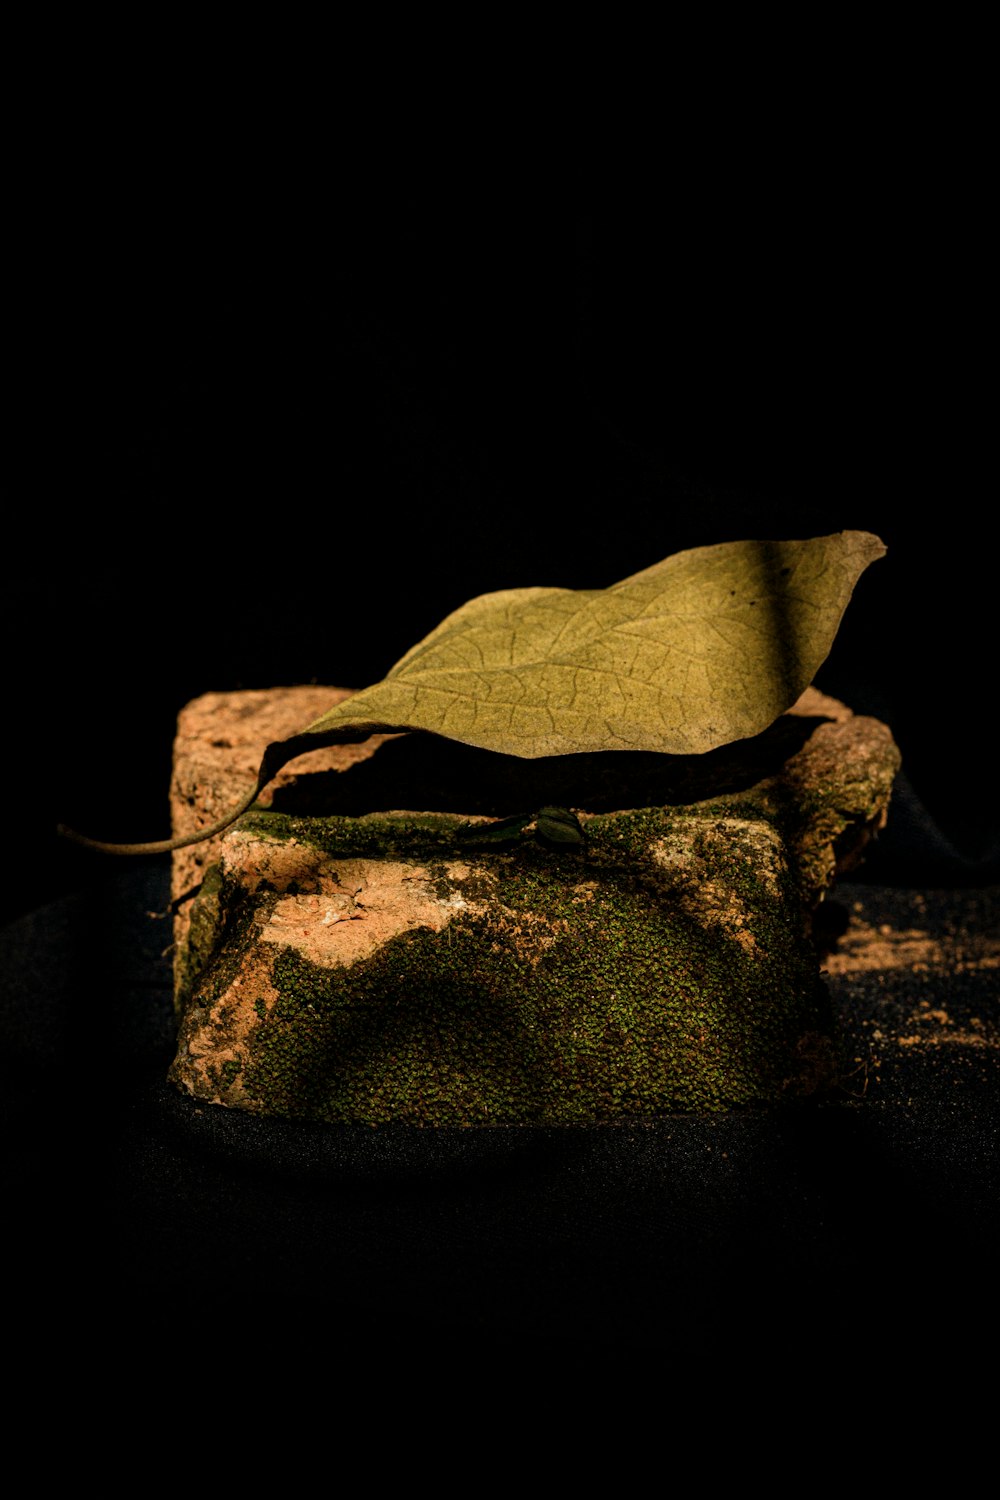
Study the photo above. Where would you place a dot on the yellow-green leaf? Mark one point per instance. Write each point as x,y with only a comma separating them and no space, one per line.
706,647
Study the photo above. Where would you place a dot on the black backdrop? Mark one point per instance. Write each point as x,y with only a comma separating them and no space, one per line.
276,424
278,428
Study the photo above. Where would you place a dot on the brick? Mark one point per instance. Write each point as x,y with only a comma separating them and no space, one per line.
357,949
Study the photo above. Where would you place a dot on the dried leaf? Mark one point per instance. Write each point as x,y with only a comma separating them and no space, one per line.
706,647
709,646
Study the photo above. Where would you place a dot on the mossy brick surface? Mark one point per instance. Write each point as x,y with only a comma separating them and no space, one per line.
353,961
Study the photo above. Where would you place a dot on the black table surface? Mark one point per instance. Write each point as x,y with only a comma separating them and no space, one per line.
682,1235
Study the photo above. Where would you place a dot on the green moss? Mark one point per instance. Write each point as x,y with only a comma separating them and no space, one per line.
369,835
201,936
584,994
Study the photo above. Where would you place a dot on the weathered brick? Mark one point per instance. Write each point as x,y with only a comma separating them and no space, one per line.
359,951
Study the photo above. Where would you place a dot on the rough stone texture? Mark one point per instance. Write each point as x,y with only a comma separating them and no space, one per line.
217,750
359,951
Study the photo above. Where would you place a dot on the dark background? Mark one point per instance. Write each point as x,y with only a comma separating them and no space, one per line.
280,424
277,420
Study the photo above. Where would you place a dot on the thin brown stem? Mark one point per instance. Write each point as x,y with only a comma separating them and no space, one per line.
166,846
277,755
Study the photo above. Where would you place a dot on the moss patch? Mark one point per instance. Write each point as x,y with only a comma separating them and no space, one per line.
620,981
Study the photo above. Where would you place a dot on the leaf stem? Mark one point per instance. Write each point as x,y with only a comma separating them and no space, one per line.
276,755
166,846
